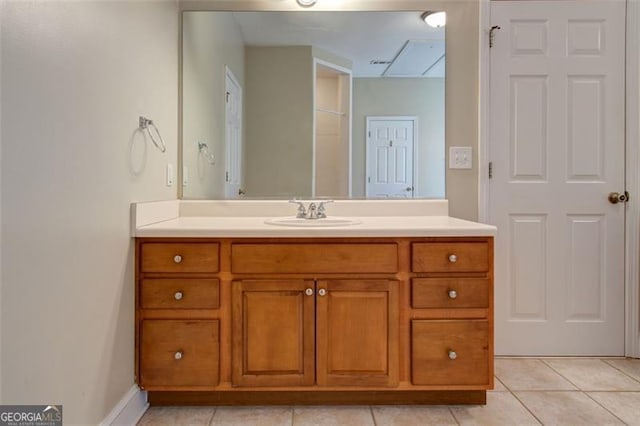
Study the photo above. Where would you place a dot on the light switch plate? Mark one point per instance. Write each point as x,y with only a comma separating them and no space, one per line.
460,157
169,174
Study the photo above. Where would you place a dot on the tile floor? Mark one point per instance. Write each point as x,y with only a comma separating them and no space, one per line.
528,391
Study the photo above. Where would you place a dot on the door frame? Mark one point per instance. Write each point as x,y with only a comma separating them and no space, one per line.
368,120
228,74
349,72
632,155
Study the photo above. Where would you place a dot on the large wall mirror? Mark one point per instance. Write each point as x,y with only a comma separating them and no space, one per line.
312,104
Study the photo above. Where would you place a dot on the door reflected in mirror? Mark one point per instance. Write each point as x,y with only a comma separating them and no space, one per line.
312,104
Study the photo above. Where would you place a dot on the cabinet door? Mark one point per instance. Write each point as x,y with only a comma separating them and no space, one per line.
357,333
273,332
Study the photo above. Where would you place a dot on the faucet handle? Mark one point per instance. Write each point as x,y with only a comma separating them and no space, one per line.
321,211
302,212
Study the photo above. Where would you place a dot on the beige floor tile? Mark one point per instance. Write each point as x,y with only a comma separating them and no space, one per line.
502,409
498,386
625,405
332,416
252,416
412,416
529,374
629,366
170,416
566,408
593,375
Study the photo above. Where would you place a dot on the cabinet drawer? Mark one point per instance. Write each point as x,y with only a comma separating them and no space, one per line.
450,257
187,293
179,353
450,352
314,258
450,293
179,257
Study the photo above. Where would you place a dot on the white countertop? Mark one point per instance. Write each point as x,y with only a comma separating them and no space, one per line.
372,226
229,218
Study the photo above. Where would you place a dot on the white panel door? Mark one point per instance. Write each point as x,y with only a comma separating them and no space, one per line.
233,136
557,147
389,168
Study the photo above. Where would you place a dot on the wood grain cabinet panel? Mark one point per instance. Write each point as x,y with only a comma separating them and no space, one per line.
315,320
450,257
179,353
314,258
273,333
450,352
449,293
179,257
357,333
183,293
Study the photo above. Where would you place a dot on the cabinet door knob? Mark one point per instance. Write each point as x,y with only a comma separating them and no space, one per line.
177,355
177,258
309,292
178,295
453,294
322,292
453,258
452,354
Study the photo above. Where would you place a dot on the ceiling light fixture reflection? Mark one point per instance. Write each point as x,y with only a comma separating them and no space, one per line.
434,19
306,3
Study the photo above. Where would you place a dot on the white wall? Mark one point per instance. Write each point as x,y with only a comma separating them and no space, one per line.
1,20
210,41
420,97
75,77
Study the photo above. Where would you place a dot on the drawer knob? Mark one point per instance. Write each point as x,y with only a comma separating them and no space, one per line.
322,292
452,354
309,292
178,295
177,258
453,294
453,258
177,355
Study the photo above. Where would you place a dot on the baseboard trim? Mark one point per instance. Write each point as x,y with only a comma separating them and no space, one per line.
129,409
393,397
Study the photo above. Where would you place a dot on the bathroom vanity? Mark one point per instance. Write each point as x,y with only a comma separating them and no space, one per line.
233,310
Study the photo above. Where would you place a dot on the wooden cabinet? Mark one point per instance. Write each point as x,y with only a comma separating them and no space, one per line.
450,352
357,333
452,301
179,352
324,320
287,331
178,331
273,333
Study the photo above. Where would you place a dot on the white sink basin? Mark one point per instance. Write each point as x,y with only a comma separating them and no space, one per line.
312,223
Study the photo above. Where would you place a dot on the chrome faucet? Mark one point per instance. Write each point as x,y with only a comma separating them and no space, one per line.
312,211
315,210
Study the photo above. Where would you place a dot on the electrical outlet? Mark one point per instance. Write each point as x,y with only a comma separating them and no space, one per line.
460,157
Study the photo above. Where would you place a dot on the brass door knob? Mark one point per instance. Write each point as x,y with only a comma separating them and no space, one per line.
616,197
